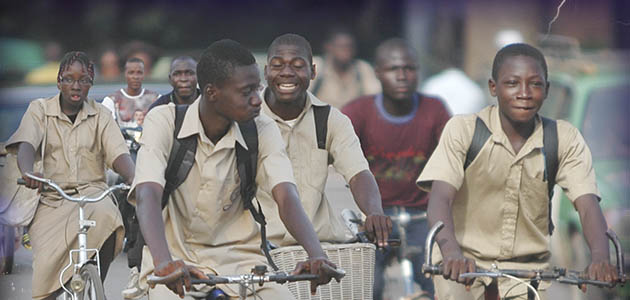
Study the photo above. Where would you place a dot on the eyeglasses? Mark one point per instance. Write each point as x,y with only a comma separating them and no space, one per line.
84,81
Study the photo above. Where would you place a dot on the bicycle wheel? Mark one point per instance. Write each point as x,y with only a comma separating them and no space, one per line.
93,285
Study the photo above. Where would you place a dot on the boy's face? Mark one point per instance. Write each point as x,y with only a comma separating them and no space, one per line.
397,71
520,88
237,98
134,74
288,72
74,84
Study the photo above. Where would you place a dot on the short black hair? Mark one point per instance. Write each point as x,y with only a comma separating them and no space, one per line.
517,49
76,56
218,61
391,44
134,60
293,40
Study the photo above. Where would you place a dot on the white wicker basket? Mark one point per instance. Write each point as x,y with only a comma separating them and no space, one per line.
356,259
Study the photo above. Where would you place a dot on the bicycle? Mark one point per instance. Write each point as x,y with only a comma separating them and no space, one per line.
86,279
401,218
246,282
561,275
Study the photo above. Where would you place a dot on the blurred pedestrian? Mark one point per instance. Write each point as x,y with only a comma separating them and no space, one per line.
341,76
109,66
399,129
125,101
46,74
183,79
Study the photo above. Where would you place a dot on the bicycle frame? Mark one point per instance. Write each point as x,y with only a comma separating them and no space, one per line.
402,219
77,283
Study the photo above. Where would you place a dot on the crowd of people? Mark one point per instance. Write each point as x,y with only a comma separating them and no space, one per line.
395,147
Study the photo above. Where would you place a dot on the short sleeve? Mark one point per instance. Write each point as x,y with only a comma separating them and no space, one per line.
109,104
113,141
447,161
155,147
345,148
31,129
575,174
274,166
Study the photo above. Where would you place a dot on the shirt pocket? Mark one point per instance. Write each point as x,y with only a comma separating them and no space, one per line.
535,201
318,168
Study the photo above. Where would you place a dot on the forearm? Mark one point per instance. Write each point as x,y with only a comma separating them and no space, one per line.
25,157
149,212
366,194
123,165
295,219
594,227
439,209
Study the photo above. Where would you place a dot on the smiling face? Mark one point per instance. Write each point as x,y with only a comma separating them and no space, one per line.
520,88
74,84
237,98
183,78
134,74
397,70
288,72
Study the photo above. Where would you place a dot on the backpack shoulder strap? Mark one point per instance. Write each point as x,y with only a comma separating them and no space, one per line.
246,161
181,158
320,114
481,135
246,164
550,146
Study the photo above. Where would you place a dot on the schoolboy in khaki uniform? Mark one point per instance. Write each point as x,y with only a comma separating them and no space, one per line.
496,211
205,228
288,72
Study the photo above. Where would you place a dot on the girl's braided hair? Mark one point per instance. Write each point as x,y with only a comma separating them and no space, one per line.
72,57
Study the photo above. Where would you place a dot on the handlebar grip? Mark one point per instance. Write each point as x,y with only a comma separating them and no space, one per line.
21,181
153,280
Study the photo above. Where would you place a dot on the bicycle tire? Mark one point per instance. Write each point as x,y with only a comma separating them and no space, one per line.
93,285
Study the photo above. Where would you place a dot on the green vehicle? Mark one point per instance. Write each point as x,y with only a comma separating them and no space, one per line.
593,94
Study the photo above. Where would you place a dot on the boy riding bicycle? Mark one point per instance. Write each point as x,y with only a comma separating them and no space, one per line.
495,202
204,227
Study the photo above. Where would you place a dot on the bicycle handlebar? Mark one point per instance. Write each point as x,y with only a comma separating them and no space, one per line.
259,275
63,194
561,275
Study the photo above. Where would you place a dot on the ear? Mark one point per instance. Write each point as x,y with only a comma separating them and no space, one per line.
547,89
265,71
58,84
492,86
313,71
210,92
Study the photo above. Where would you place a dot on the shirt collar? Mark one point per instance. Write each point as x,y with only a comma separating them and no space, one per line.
311,100
493,122
53,108
192,125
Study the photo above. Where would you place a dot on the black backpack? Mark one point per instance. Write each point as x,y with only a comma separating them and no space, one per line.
550,152
182,158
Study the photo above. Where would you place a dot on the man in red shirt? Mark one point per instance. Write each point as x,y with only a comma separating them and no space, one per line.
398,130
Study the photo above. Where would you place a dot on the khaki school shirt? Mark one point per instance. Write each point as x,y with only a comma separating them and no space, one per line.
75,152
310,166
501,209
205,222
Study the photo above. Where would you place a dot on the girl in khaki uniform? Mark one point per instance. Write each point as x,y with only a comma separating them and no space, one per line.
80,138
